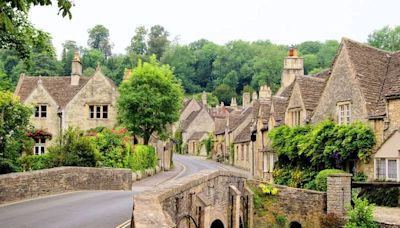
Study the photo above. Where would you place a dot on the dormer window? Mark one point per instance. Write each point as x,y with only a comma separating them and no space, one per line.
41,111
344,112
98,111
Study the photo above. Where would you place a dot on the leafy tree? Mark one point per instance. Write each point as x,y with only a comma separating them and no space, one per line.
69,49
138,42
92,58
158,41
150,99
5,82
14,121
17,33
309,47
386,38
45,65
361,216
327,53
224,93
99,38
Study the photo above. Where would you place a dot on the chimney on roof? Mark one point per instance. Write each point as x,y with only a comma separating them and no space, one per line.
254,96
246,99
204,98
233,102
292,66
265,93
76,69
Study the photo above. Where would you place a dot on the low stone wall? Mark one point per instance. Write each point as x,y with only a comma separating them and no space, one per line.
19,186
306,207
204,196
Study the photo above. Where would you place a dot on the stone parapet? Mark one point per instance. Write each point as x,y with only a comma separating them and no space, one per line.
20,186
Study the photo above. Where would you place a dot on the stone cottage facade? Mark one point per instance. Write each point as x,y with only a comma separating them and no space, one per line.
68,101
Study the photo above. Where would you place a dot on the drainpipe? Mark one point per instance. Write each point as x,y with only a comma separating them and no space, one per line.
60,116
253,139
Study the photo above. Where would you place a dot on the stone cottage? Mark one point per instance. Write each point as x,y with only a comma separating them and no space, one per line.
363,86
68,101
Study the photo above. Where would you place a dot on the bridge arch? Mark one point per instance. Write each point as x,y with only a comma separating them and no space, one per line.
217,224
295,224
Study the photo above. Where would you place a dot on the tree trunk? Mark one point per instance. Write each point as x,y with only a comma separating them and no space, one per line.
146,139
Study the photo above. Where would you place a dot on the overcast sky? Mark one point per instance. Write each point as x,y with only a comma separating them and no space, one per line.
281,21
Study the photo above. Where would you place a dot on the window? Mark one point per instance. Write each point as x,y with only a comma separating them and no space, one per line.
381,168
237,153
39,146
242,152
295,117
392,169
265,162
344,113
41,111
98,111
247,152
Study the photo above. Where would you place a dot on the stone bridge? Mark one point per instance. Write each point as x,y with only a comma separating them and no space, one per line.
206,199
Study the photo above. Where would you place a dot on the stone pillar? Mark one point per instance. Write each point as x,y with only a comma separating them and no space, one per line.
248,193
246,99
338,193
235,193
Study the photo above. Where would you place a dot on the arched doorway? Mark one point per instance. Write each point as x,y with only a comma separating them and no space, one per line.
295,225
217,224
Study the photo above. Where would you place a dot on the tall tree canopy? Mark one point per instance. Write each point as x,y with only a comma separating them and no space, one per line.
386,38
150,99
99,38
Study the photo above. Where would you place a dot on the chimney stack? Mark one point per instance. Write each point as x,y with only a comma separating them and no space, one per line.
265,93
292,66
204,98
255,96
233,102
246,99
76,69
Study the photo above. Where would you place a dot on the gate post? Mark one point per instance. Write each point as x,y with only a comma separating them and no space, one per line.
338,193
235,193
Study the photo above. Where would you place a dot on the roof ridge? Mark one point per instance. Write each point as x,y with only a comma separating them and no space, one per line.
366,45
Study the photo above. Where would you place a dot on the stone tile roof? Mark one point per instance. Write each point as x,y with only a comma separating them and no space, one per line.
59,87
264,111
220,124
186,122
323,74
371,67
238,116
280,104
287,91
392,87
311,89
256,108
197,135
244,135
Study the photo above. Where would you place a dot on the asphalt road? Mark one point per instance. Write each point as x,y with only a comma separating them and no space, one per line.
94,208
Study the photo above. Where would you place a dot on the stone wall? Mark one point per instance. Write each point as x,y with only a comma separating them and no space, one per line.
306,207
205,196
20,186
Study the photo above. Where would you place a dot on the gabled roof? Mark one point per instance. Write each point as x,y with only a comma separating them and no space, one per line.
392,87
264,111
220,124
371,67
244,135
186,122
238,116
197,135
280,105
311,89
59,87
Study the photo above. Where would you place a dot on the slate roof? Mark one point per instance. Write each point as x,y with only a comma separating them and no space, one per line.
311,89
220,124
371,66
59,87
197,135
244,135
280,104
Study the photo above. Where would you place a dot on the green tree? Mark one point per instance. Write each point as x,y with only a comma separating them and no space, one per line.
138,42
92,58
14,121
150,100
361,216
99,38
224,93
158,41
386,38
5,82
69,49
17,33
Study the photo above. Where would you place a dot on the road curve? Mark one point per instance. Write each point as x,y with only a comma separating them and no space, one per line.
94,208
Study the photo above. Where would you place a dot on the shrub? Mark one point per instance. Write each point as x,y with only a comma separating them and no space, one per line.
359,177
382,196
361,215
74,149
35,162
321,178
143,157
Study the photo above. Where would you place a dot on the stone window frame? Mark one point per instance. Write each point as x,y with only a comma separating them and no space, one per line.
378,165
242,151
343,116
295,116
99,111
39,112
40,146
247,152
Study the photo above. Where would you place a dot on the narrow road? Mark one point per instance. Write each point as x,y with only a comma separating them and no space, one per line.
95,208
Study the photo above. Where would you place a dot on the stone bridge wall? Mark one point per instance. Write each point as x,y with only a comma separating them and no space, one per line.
19,186
205,196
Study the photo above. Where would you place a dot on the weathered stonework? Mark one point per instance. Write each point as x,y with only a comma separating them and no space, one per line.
203,197
20,186
338,193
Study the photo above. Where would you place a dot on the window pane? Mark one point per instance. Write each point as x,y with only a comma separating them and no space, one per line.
91,111
37,111
105,112
36,150
42,140
42,150
98,112
381,169
392,169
